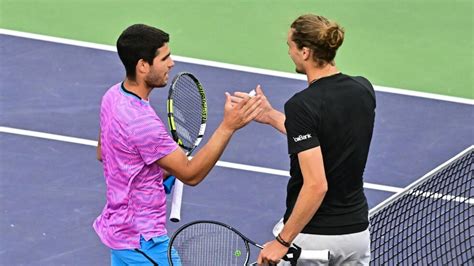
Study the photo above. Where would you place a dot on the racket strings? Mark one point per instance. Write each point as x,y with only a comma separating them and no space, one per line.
210,245
187,110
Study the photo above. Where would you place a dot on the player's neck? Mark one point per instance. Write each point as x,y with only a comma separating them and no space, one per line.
137,87
322,72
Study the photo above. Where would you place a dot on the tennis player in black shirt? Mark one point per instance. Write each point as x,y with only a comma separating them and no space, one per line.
329,128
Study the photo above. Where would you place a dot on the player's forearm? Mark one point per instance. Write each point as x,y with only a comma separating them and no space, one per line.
308,202
311,194
202,163
277,120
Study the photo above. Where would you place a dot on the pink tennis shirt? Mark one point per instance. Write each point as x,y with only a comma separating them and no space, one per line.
132,138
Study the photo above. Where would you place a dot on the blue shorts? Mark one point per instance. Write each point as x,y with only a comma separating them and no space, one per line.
151,252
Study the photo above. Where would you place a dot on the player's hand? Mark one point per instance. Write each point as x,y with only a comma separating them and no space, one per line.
271,253
237,115
265,116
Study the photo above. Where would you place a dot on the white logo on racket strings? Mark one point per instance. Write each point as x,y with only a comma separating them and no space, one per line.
302,137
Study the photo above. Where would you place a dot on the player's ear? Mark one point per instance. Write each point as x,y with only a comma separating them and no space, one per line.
306,52
142,66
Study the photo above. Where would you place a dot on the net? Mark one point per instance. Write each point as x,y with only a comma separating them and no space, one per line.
430,222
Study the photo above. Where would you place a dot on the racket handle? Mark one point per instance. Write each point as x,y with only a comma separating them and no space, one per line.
175,214
295,253
319,255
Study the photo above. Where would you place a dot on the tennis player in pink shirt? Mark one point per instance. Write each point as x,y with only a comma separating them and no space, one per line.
137,153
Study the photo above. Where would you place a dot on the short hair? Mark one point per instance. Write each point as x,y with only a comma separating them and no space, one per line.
137,42
318,34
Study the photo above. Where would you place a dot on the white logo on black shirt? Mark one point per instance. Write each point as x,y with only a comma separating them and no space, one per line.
302,137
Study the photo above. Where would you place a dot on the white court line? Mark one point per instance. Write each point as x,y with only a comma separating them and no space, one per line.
224,164
231,66
433,195
43,135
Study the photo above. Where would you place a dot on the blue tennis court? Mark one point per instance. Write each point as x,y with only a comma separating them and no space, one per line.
52,188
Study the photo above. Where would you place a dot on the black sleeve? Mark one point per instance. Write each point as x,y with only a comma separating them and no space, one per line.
366,84
301,126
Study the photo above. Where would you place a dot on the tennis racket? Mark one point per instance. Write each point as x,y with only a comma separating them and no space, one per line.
213,243
187,116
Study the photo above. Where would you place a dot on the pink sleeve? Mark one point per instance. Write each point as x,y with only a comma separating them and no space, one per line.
150,138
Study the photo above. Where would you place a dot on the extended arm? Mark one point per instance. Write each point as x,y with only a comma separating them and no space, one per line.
192,172
277,120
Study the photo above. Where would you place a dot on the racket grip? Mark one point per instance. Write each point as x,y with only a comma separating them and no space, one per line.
175,214
319,255
252,93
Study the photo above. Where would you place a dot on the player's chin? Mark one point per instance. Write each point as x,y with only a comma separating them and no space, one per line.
165,80
161,84
300,71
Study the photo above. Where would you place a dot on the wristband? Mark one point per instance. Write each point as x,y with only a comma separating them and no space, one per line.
281,241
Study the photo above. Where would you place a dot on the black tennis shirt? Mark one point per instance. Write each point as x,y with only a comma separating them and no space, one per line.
336,113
